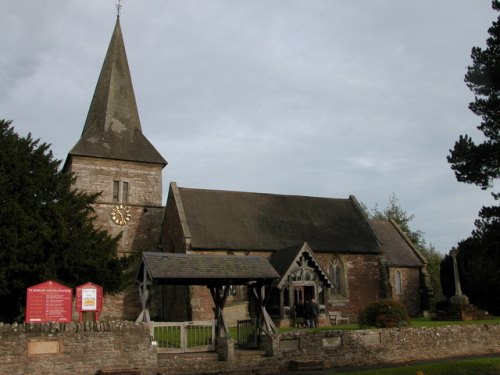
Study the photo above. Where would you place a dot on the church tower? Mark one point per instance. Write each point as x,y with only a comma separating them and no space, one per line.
114,158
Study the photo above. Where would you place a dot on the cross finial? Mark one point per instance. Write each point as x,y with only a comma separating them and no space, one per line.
118,7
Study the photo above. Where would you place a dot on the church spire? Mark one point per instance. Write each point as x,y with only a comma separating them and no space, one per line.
113,129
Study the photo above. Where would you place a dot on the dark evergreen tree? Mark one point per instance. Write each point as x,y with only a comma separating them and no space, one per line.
46,228
479,164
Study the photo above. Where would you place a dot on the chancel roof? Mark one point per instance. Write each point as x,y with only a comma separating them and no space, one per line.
113,129
255,221
396,246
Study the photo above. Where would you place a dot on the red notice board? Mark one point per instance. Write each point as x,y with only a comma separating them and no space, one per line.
48,302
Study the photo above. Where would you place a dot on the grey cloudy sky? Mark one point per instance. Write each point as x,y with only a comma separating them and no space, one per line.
308,97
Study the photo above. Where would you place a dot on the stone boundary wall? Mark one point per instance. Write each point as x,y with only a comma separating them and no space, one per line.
301,351
86,348
75,348
388,346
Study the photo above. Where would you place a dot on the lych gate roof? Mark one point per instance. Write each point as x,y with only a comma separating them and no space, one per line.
254,221
397,248
203,269
113,129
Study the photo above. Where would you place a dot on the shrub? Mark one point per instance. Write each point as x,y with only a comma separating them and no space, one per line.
443,305
384,314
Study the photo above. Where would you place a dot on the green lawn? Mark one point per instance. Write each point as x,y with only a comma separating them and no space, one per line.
482,366
417,322
171,337
426,322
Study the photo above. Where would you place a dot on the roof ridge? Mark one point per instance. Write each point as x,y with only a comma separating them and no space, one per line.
261,193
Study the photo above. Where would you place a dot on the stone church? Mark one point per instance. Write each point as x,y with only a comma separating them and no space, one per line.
322,248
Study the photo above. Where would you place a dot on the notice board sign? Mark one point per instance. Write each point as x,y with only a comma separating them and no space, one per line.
48,302
89,298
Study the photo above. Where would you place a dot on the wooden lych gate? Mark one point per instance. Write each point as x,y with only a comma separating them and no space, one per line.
218,273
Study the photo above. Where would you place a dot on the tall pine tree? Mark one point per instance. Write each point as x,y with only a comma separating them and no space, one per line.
479,164
46,229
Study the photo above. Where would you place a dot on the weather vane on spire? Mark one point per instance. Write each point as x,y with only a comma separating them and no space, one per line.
118,7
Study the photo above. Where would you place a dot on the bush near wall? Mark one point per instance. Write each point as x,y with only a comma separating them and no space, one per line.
384,314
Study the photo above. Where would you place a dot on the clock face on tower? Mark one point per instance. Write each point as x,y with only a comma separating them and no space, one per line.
120,214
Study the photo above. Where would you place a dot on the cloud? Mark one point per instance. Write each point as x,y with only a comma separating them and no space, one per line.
324,98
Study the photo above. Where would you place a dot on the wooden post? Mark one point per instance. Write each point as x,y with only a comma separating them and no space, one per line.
219,295
265,322
144,294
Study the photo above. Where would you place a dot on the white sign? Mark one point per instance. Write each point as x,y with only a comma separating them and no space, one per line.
89,299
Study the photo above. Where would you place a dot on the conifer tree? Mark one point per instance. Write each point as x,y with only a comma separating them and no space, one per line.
479,164
46,227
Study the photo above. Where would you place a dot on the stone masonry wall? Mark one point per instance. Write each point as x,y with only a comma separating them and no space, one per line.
141,233
72,348
95,175
301,350
410,292
363,282
388,346
75,348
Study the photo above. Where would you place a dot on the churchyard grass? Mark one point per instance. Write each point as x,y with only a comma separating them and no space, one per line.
428,323
479,366
173,337
416,322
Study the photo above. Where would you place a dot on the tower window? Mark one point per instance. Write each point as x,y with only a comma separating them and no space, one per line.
120,191
124,191
116,191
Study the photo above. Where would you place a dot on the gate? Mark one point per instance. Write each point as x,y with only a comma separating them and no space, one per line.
182,337
248,334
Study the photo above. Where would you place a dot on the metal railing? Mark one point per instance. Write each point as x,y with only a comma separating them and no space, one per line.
247,333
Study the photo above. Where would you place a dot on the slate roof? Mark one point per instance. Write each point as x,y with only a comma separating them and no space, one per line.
219,219
397,248
203,269
113,129
282,259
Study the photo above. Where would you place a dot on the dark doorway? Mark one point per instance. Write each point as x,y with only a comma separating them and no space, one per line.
309,293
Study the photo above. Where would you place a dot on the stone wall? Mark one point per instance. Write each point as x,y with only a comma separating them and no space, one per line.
75,348
296,351
363,283
141,233
71,348
389,346
410,295
93,175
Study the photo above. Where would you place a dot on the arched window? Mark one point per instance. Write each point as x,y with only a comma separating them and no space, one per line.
337,275
398,283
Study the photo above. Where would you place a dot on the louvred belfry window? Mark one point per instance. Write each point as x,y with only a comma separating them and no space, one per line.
120,191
